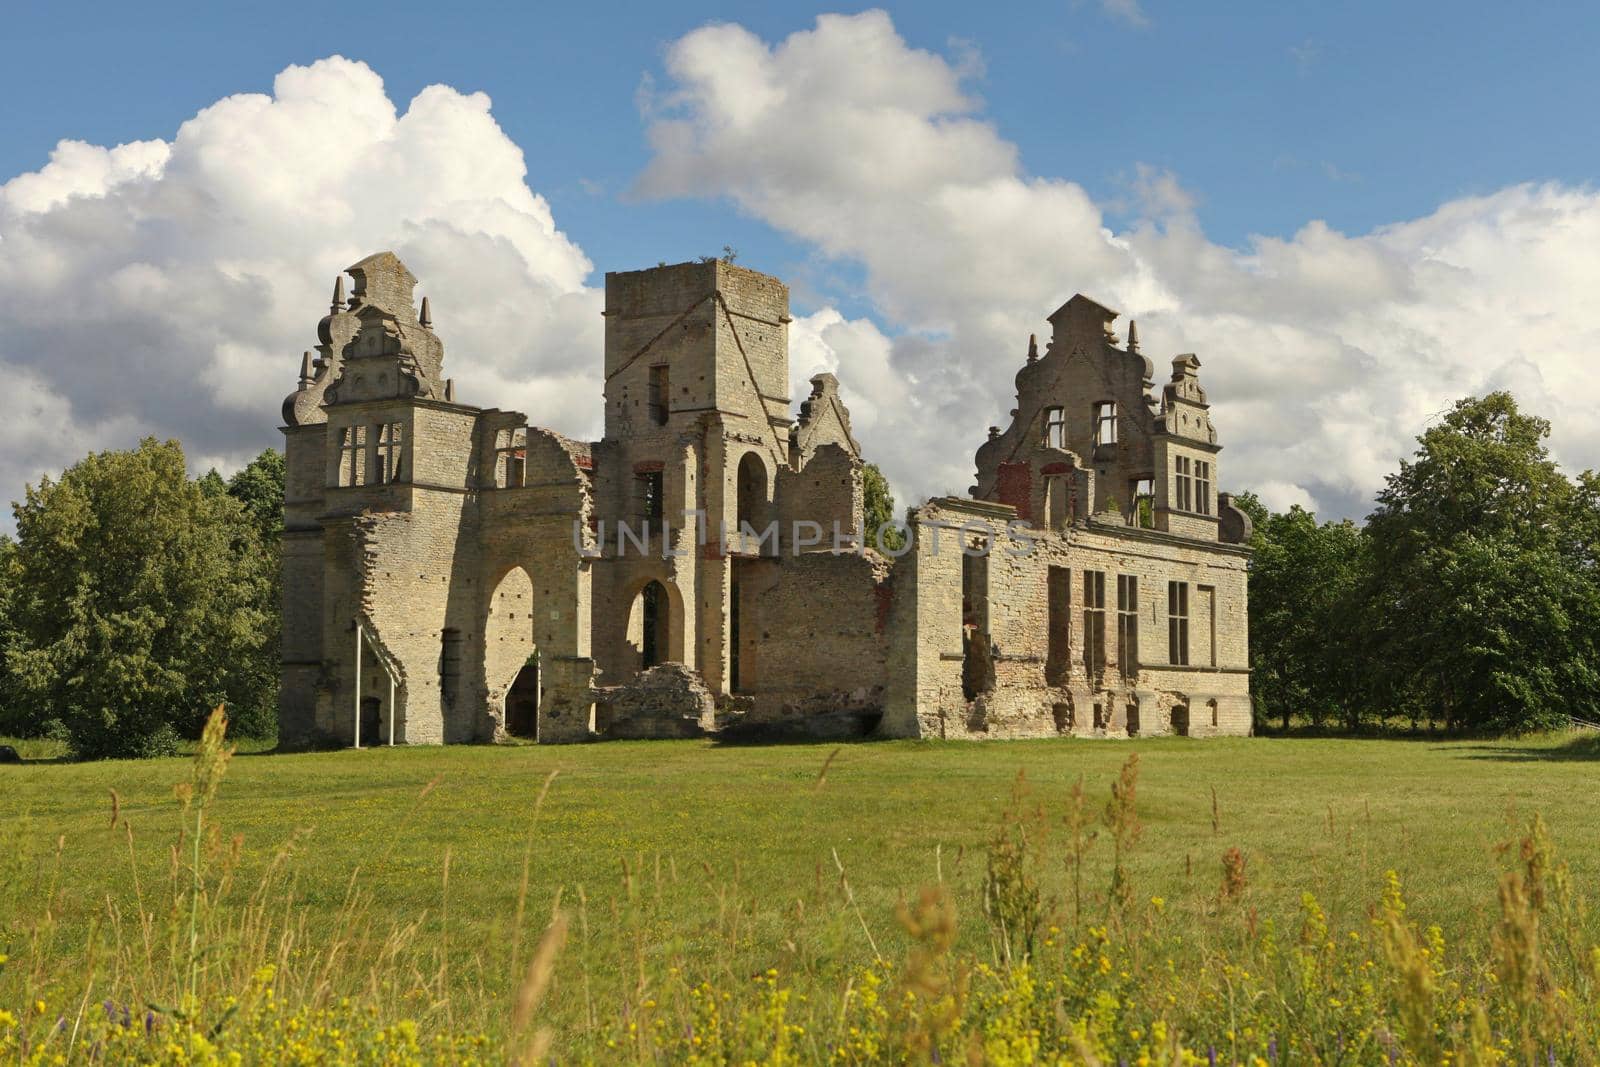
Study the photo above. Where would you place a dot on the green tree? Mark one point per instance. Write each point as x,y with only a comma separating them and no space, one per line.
11,718
1304,576
1482,612
259,488
137,604
878,508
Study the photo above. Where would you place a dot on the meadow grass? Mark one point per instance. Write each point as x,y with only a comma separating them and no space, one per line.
877,902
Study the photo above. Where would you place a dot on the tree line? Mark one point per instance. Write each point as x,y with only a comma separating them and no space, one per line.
134,598
1469,600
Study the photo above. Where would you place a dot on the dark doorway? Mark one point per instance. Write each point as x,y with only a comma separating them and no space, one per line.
654,617
522,701
1180,720
371,721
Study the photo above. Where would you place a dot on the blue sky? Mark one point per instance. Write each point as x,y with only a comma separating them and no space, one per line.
1447,148
1272,114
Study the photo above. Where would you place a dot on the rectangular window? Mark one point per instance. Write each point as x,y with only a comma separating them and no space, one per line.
1094,621
1105,423
353,455
1185,485
1128,624
1202,487
1203,613
651,505
1144,503
511,458
1058,641
1178,623
1058,504
659,399
975,586
1055,428
449,665
389,452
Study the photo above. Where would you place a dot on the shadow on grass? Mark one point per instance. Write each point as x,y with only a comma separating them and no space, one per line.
1581,748
1364,733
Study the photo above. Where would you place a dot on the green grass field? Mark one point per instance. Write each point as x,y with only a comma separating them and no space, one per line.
724,862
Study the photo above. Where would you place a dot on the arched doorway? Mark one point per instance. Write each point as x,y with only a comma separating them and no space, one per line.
655,624
655,629
522,701
751,491
510,660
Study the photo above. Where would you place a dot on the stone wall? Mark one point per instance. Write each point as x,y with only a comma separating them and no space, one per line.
1033,693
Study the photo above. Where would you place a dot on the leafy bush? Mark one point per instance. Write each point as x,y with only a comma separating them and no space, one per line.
137,595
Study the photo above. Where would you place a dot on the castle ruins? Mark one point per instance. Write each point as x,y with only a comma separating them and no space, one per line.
452,573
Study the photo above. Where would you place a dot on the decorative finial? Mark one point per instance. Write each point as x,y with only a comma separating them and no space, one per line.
1133,335
427,315
1033,348
338,295
306,375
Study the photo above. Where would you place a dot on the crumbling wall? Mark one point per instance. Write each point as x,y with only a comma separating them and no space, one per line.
815,629
666,701
1027,699
827,493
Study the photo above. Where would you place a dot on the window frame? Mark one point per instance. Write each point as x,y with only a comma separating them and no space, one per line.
1104,423
658,398
650,487
1055,427
511,458
1178,624
1094,622
1128,624
1183,482
389,450
353,461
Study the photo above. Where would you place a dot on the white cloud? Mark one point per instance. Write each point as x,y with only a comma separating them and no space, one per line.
1324,353
1127,11
169,287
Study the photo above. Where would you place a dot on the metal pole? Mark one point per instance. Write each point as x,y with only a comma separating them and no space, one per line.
390,671
358,683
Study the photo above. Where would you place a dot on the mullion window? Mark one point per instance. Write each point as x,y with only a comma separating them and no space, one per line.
1128,624
1178,623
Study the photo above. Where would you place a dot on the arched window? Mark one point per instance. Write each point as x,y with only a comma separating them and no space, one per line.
752,491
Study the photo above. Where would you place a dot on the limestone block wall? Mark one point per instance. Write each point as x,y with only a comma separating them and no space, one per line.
815,641
301,602
1042,681
827,492
538,587
444,452
419,580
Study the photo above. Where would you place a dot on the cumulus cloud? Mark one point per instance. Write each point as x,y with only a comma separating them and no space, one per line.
168,287
1324,353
